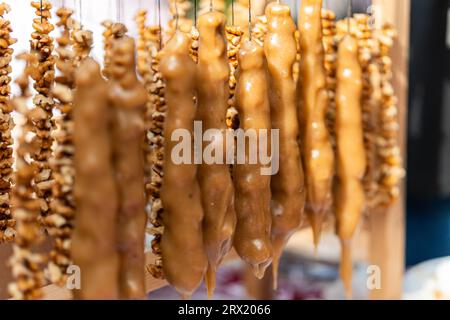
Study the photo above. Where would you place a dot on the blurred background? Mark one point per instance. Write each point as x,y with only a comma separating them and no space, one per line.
305,275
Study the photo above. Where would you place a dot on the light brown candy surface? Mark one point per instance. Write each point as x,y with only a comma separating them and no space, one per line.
215,179
252,237
287,186
128,98
184,258
317,151
95,236
351,157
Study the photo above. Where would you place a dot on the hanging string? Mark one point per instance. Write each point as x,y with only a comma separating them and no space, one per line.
176,15
159,24
349,14
195,13
63,4
118,10
232,12
80,7
211,5
250,19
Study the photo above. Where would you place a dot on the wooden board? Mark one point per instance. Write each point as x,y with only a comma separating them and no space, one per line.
387,229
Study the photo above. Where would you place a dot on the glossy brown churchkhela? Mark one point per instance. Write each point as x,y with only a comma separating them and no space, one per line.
287,186
215,179
6,125
317,151
26,263
252,237
94,244
42,46
351,157
128,98
184,258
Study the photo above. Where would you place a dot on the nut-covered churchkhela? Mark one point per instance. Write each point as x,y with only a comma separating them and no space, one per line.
155,154
389,152
330,63
26,263
74,46
317,151
215,179
128,97
184,259
113,31
370,102
351,157
234,38
42,46
6,125
147,66
94,245
252,237
287,186
62,205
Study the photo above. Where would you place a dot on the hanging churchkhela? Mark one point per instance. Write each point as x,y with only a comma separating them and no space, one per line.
62,206
74,45
389,153
42,46
6,124
215,179
93,246
234,39
113,31
330,64
128,98
317,152
183,252
26,263
351,157
147,65
156,156
287,186
252,237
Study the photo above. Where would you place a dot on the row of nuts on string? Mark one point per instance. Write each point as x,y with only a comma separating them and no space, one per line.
6,125
42,46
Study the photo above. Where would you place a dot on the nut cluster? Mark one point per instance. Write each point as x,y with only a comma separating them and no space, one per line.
234,37
260,28
42,46
193,51
112,31
370,102
6,124
156,139
389,153
330,64
62,206
26,264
